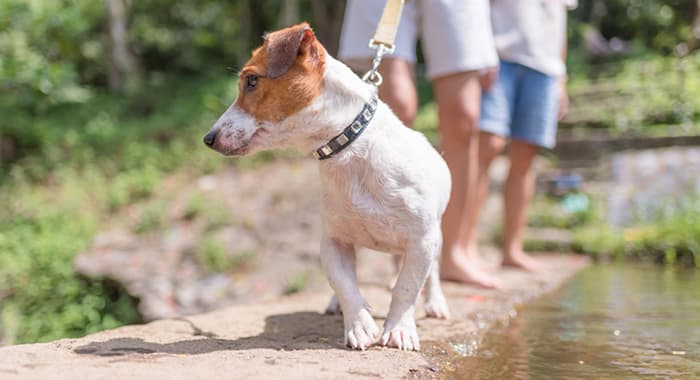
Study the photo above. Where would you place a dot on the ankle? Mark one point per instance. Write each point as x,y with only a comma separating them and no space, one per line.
511,251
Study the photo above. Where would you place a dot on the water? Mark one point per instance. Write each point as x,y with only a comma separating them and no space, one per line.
608,322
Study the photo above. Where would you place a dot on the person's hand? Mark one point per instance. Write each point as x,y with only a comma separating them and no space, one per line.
563,98
488,77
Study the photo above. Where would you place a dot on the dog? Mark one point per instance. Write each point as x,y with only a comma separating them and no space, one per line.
384,186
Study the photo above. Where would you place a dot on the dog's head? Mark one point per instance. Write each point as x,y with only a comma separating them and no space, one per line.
283,76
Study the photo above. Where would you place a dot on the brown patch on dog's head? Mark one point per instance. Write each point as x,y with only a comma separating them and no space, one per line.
284,75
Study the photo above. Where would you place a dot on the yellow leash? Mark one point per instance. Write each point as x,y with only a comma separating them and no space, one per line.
384,36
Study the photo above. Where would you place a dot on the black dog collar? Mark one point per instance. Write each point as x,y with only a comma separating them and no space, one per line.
349,134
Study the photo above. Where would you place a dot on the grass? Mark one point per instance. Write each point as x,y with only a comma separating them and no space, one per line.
672,237
41,230
215,258
639,95
297,283
552,212
152,218
213,214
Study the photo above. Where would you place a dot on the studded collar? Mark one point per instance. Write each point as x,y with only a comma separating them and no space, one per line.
349,134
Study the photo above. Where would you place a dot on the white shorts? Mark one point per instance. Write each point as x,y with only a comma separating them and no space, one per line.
455,34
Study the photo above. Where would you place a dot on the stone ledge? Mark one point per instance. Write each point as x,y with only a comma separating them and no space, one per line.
287,338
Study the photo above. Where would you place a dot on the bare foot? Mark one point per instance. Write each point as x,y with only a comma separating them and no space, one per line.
468,270
523,261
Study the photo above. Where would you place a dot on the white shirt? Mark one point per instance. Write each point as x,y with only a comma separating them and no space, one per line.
531,32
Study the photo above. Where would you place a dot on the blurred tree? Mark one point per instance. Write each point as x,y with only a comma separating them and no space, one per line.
694,37
290,12
58,51
123,68
328,19
659,25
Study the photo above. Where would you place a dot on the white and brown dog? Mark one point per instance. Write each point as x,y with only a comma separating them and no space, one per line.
385,189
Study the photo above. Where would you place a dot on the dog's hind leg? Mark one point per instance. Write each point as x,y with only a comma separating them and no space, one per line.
435,302
339,264
333,307
400,327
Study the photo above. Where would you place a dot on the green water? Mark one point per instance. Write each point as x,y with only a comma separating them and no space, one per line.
608,322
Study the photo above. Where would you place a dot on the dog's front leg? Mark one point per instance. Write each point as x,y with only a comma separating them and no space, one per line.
400,327
339,264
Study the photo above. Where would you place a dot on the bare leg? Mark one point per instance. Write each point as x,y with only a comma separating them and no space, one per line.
400,327
399,89
339,264
459,99
490,146
519,188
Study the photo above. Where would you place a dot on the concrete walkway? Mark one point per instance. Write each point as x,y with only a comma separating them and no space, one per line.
287,338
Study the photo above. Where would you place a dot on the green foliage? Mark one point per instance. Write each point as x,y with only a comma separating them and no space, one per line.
673,237
132,185
550,212
297,283
66,181
40,233
214,258
195,206
152,218
213,215
658,24
47,48
185,35
640,95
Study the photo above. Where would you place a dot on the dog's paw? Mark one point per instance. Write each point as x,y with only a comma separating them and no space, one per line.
333,307
402,337
436,307
361,332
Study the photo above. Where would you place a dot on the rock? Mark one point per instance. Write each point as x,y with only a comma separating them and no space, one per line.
286,337
277,226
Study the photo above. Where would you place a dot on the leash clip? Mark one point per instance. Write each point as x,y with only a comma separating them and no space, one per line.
373,76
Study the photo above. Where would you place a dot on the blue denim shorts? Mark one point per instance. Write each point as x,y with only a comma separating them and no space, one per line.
522,104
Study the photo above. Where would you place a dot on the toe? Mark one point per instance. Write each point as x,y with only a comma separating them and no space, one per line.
351,340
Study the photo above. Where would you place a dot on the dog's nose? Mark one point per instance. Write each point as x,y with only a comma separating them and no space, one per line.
209,138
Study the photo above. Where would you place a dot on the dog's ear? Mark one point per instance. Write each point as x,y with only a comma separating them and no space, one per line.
284,47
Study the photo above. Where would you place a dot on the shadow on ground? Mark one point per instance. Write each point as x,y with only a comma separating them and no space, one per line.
293,331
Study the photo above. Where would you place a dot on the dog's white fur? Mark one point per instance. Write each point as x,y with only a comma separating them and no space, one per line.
386,191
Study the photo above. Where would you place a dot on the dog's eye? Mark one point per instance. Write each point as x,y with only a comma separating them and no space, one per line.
251,81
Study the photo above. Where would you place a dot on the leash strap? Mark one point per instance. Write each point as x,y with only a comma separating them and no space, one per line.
384,37
388,25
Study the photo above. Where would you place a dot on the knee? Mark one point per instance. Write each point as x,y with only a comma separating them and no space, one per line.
399,96
464,109
490,146
459,118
